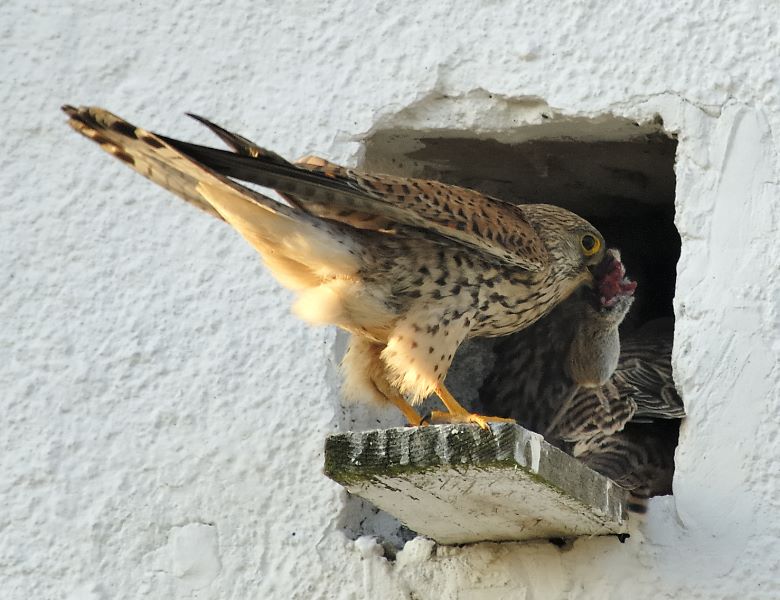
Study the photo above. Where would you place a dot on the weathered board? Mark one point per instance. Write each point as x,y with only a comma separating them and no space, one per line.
459,484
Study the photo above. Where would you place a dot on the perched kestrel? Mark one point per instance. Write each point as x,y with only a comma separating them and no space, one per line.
409,267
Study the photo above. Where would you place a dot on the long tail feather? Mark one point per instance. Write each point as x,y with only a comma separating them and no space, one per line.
301,250
240,144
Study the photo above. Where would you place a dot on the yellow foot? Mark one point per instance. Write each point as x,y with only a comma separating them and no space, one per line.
458,414
438,416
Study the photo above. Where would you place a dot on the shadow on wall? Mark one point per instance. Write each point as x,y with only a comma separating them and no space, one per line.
616,173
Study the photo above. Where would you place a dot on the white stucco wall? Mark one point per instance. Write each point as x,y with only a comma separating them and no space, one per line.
163,415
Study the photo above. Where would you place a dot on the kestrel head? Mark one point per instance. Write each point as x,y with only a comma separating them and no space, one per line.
575,246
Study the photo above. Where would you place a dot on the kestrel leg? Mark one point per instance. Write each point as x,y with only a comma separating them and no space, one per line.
418,356
412,416
458,414
365,375
396,398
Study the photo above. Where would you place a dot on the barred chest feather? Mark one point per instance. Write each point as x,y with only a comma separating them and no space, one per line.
484,299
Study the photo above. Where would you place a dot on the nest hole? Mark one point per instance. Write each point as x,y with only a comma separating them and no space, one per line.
616,173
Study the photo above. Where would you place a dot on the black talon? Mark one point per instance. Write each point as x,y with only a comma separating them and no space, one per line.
426,418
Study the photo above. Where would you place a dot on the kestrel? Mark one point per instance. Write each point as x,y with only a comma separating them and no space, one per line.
625,429
640,391
639,458
571,353
594,350
410,267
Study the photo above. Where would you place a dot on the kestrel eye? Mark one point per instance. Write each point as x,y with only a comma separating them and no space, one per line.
590,245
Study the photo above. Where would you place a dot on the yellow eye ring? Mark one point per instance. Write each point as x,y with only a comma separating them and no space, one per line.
590,244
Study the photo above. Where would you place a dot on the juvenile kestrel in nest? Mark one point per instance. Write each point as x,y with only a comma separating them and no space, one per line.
409,267
640,454
624,427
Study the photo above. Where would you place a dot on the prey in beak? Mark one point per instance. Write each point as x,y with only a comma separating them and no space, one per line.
610,282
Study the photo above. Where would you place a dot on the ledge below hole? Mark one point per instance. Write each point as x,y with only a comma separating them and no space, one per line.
459,484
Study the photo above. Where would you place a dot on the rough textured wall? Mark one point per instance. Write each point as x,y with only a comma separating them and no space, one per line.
163,415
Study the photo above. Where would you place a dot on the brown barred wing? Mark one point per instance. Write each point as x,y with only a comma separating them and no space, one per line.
640,458
468,217
644,374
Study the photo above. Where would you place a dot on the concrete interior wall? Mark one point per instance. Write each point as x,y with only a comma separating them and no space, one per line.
164,413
